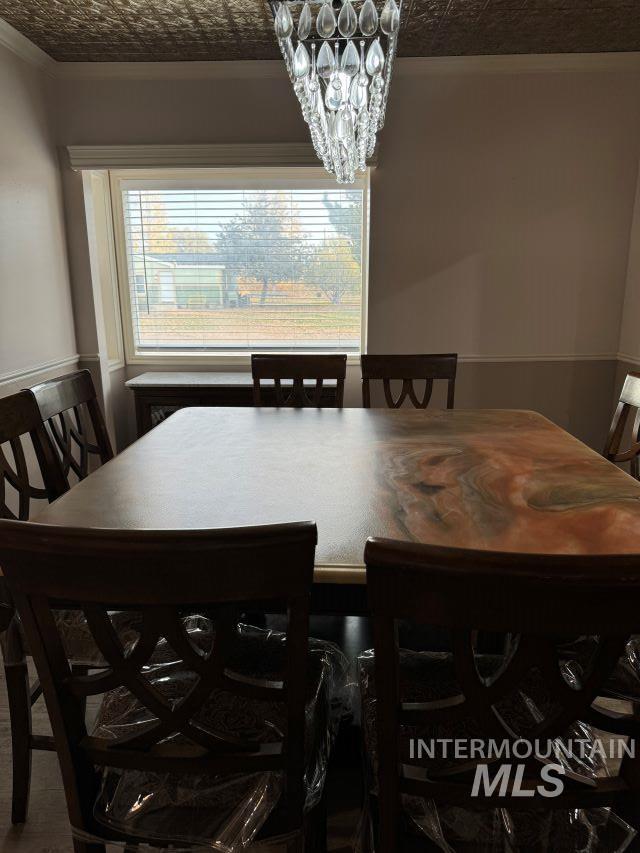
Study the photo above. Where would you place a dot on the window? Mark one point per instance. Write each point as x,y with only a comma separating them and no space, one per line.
238,261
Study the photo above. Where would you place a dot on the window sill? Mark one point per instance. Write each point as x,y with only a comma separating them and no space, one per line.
219,361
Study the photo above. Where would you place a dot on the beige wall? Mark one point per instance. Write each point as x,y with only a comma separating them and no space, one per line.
36,322
630,325
500,212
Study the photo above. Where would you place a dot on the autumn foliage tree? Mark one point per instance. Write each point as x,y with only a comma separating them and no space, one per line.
268,244
332,270
264,242
156,235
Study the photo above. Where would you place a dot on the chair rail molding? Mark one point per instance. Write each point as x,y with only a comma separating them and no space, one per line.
629,359
33,370
471,358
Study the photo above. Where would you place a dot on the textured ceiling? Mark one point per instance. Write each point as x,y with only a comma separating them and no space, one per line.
162,30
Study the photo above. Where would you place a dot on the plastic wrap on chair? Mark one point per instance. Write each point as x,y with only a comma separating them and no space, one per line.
624,682
430,676
509,831
6,605
220,812
12,640
78,643
625,679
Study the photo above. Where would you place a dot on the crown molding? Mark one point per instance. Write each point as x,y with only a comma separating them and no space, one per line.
190,156
25,48
522,63
245,69
530,63
404,67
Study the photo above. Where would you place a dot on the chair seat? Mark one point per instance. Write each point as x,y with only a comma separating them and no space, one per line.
227,810
430,676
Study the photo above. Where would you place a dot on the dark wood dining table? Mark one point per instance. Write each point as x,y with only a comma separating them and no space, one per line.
495,479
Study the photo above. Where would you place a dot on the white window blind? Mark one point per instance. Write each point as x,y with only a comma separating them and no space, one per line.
274,266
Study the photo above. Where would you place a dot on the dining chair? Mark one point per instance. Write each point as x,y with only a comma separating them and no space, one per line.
23,435
213,734
529,691
67,430
629,402
25,451
69,407
303,377
408,369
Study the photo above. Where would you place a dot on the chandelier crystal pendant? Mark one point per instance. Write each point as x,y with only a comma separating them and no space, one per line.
339,56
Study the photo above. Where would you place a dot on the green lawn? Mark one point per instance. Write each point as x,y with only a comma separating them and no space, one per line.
339,322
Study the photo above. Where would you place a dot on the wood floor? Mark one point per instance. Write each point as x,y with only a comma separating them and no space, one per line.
46,830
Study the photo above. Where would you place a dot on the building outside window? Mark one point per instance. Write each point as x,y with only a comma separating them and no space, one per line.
236,261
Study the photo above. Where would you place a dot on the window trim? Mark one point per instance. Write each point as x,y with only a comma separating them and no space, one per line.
219,177
102,259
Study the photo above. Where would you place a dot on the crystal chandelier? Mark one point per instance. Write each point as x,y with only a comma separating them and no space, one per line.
341,71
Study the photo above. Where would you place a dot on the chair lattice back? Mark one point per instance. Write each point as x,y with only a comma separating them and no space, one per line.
290,377
20,430
536,603
163,577
628,403
408,369
125,670
69,407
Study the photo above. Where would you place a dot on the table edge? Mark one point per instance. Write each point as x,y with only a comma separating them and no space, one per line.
340,574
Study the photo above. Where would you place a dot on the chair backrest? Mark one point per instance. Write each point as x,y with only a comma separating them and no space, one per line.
629,402
162,576
539,602
408,369
69,407
294,370
20,427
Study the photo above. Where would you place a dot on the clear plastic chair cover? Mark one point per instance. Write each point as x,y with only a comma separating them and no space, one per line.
76,637
428,676
624,682
219,812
